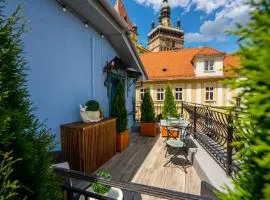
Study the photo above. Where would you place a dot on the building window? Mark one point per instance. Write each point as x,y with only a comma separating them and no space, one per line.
142,92
178,94
238,101
160,94
209,93
208,65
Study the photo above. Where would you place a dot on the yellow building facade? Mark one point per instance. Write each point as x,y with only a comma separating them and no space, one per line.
197,75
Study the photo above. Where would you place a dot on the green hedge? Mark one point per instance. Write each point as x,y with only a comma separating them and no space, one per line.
169,108
119,110
147,108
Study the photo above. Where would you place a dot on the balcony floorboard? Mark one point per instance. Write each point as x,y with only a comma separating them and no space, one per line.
143,162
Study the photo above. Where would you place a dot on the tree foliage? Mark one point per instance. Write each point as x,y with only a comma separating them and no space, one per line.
253,128
119,110
28,140
169,108
8,187
147,108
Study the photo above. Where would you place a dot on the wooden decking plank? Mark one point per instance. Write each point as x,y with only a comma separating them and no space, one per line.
143,162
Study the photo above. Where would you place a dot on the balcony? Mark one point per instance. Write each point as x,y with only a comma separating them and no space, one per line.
143,171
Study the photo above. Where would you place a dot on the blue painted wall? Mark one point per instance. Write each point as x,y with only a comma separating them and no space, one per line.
66,61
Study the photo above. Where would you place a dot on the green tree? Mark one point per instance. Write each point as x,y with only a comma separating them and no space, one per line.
147,108
169,108
119,110
253,130
20,132
8,187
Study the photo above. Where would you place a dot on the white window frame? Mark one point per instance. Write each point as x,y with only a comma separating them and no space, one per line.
142,92
209,65
178,92
160,93
209,93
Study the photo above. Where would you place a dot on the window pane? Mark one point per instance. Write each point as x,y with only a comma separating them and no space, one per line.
180,96
212,65
207,95
206,65
211,96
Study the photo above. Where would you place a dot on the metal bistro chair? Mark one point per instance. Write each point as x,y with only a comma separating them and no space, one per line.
180,145
171,130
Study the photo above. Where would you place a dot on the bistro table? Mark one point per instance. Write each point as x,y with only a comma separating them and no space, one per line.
173,127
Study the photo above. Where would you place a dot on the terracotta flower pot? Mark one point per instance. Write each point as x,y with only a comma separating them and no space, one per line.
122,140
148,129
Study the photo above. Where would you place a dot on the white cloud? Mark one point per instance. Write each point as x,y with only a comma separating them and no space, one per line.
232,13
227,13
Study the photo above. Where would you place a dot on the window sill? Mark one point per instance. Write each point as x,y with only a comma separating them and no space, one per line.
210,101
212,71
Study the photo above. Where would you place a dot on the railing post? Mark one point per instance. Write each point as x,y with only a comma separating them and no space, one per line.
229,145
182,108
194,121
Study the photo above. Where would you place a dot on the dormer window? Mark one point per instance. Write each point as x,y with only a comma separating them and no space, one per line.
208,65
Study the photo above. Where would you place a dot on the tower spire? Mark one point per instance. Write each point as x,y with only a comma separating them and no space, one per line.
165,14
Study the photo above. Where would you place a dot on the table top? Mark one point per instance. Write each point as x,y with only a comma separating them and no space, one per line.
175,123
175,143
81,124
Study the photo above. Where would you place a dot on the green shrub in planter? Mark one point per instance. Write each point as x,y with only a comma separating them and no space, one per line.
100,188
92,105
119,110
147,108
169,108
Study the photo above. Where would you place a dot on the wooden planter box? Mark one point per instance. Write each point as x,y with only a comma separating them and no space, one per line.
164,132
89,145
122,140
148,129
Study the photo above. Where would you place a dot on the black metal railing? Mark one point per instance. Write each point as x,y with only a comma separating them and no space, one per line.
211,127
132,191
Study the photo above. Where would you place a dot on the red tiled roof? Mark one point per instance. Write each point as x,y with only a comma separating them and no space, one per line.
172,65
231,62
120,8
209,51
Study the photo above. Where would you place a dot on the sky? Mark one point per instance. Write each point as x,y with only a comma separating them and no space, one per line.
205,22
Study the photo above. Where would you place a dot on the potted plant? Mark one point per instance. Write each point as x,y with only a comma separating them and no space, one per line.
92,110
104,190
119,112
148,124
169,109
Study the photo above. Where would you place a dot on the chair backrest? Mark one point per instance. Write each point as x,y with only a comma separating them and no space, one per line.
184,133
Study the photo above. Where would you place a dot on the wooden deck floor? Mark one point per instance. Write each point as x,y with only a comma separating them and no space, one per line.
143,162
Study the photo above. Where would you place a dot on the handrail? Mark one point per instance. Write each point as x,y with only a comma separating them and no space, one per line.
134,187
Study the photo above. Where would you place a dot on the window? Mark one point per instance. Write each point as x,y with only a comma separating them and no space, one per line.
178,94
142,93
208,65
209,93
160,94
238,101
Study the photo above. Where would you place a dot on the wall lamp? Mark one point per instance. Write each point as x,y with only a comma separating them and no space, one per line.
102,36
64,8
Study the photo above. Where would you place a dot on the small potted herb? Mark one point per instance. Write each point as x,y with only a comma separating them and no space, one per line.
92,110
105,190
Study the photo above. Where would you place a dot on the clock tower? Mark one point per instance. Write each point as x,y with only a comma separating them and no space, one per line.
165,37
